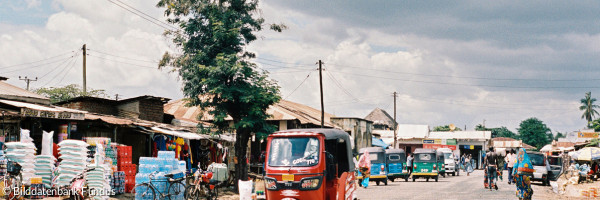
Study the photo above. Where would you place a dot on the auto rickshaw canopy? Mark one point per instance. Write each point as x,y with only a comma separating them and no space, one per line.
330,134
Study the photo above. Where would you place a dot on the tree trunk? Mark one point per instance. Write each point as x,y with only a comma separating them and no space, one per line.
241,142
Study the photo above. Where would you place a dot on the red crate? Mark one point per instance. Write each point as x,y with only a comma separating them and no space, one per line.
129,188
123,151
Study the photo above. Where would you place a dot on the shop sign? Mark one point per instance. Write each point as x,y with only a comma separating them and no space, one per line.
436,146
587,135
451,141
438,141
467,146
427,141
51,114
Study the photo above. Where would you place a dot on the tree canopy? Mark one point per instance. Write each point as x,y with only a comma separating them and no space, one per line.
445,128
588,107
59,94
215,67
534,132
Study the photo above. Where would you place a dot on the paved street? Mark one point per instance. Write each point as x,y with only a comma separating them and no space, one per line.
457,187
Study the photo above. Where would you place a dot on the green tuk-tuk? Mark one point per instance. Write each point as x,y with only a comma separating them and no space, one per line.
440,163
378,165
425,164
396,164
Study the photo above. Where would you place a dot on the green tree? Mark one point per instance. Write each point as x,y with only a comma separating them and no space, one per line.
445,128
559,135
588,107
504,132
595,125
59,94
534,132
215,67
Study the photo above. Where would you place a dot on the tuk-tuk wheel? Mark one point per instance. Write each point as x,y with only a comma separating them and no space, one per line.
406,179
391,179
377,182
414,179
453,173
436,179
385,182
427,179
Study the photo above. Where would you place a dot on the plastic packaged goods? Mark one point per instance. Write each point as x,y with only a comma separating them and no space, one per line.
44,166
73,154
23,153
47,142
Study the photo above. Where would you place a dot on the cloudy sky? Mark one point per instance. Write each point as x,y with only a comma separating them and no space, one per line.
450,62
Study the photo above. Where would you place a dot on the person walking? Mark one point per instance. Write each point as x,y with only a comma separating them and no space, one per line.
364,166
468,165
491,164
522,173
510,160
409,164
462,162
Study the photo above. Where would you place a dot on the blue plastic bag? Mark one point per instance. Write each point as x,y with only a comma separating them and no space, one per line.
365,182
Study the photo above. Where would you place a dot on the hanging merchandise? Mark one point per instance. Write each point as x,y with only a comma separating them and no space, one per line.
62,132
47,146
73,154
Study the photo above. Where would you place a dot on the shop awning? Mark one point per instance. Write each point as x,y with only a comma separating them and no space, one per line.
181,134
53,112
378,142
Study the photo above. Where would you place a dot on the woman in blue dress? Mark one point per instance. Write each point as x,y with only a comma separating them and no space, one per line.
523,171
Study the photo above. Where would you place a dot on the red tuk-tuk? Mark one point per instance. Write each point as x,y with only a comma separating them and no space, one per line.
309,164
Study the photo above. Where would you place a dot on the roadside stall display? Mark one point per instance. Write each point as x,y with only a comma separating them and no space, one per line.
164,164
73,154
44,166
23,153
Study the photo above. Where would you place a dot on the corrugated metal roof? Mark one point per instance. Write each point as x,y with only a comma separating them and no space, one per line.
284,110
379,116
8,91
477,135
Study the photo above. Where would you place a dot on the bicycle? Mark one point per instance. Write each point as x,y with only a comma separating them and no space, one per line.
148,190
12,180
202,186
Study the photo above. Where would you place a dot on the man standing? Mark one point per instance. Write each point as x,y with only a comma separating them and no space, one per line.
492,165
510,159
409,163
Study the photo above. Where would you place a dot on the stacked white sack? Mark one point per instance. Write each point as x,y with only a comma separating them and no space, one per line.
73,155
22,153
44,166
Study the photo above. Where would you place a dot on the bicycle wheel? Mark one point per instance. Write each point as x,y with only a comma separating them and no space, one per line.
145,191
192,192
176,190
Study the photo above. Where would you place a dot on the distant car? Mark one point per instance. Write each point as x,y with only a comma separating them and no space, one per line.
540,167
450,162
555,167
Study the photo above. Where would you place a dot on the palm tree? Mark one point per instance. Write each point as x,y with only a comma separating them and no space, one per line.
588,107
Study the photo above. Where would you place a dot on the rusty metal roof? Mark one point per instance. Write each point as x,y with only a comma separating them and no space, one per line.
11,92
284,110
379,116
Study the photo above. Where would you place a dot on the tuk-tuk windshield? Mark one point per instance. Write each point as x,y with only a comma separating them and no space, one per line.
425,157
448,156
294,152
397,158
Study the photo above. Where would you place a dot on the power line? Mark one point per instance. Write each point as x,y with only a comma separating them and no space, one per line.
308,75
276,61
108,54
438,75
341,87
58,66
158,20
60,72
471,85
49,58
280,66
131,64
70,69
147,19
36,66
468,77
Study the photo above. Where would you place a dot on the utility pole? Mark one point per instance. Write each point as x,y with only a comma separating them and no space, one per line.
27,80
321,86
395,122
84,73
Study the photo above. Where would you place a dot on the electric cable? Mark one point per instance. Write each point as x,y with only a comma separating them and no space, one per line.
49,58
308,75
133,59
147,19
